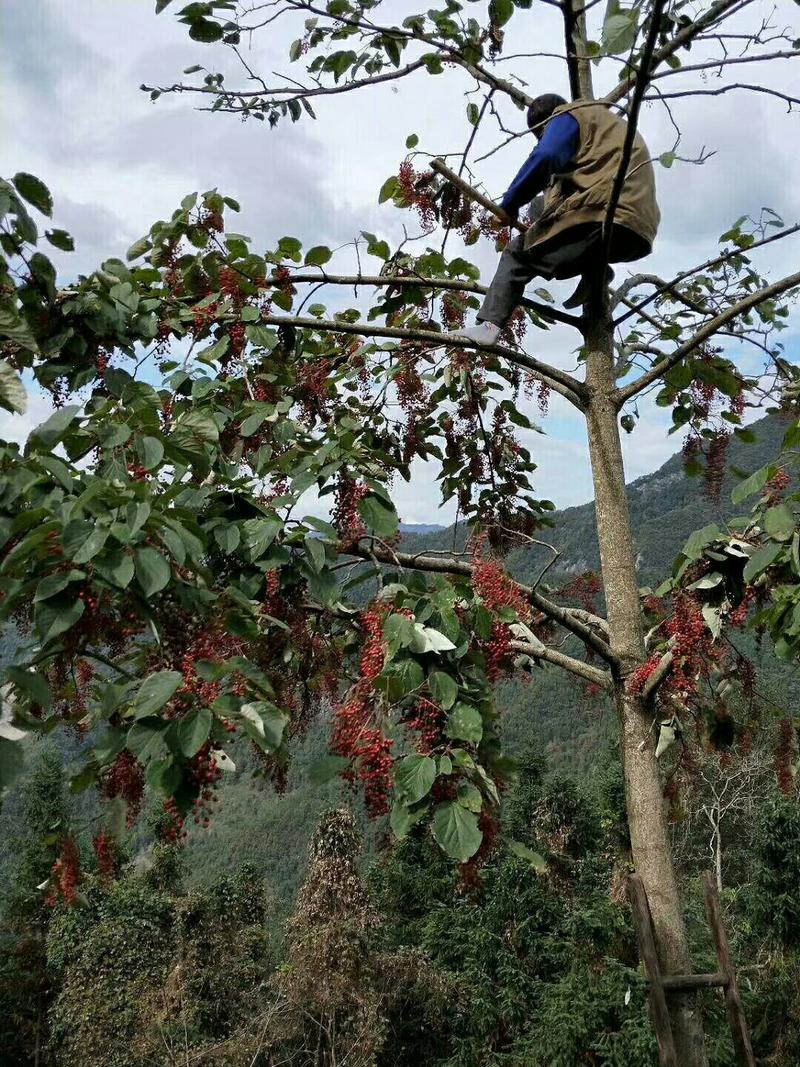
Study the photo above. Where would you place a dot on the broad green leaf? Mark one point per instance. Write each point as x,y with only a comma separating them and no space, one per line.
227,537
266,723
401,819
456,831
701,539
762,558
33,683
414,776
115,566
779,522
754,484
193,731
52,431
12,392
444,689
152,571
146,739
164,776
465,724
34,190
55,583
56,615
317,256
60,239
326,768
469,796
155,691
150,452
92,545
379,516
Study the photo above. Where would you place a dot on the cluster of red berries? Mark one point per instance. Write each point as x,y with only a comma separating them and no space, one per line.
211,220
345,516
497,589
368,751
584,588
106,853
312,391
101,362
777,486
204,316
125,778
374,650
416,192
784,757
229,283
172,830
738,616
137,472
496,649
427,719
65,874
453,311
515,329
206,773
636,682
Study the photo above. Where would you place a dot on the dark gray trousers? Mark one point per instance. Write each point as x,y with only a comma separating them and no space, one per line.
567,258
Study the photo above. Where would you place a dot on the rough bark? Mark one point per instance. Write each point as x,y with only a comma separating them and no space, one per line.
650,846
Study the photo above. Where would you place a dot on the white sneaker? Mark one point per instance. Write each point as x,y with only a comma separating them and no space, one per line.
485,333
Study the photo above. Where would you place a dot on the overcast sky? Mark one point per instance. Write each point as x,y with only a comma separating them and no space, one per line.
73,113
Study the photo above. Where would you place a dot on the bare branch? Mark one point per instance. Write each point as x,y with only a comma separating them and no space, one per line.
787,97
705,332
725,61
558,380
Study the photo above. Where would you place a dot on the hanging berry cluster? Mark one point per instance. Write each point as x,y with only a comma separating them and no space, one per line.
65,875
345,516
125,778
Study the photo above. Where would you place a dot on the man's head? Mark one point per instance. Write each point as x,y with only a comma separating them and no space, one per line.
540,111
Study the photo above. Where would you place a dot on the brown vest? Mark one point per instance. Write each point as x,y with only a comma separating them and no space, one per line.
581,193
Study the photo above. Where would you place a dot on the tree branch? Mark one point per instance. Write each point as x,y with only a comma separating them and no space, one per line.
708,265
642,76
570,388
705,332
790,100
570,619
567,663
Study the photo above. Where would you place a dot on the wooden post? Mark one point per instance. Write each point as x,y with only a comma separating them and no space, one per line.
733,1001
657,1000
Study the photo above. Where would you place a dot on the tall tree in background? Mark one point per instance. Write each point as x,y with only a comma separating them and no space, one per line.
172,561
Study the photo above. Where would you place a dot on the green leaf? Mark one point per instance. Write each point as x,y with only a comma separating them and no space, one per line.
501,11
150,452
315,551
205,31
700,540
414,776
227,537
52,431
264,723
326,768
34,191
761,559
164,776
56,615
379,516
12,392
193,731
92,545
465,724
388,189
473,114
412,140
666,159
160,5
779,522
116,567
33,683
146,739
754,484
619,32
456,831
155,691
317,256
60,239
444,689
469,796
152,571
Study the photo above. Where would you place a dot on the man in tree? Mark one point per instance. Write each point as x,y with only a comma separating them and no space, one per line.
576,162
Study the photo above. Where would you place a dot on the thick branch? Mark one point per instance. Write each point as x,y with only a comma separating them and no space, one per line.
569,619
657,677
560,381
441,168
567,663
420,282
705,332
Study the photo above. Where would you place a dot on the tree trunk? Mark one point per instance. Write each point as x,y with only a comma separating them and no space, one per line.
651,853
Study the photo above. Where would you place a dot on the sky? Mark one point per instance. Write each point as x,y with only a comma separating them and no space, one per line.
72,113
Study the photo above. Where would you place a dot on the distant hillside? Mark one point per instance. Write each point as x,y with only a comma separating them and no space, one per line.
666,507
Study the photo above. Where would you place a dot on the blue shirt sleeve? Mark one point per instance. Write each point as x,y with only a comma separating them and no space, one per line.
553,153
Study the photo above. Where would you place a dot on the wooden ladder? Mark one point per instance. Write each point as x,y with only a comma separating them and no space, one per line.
662,985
